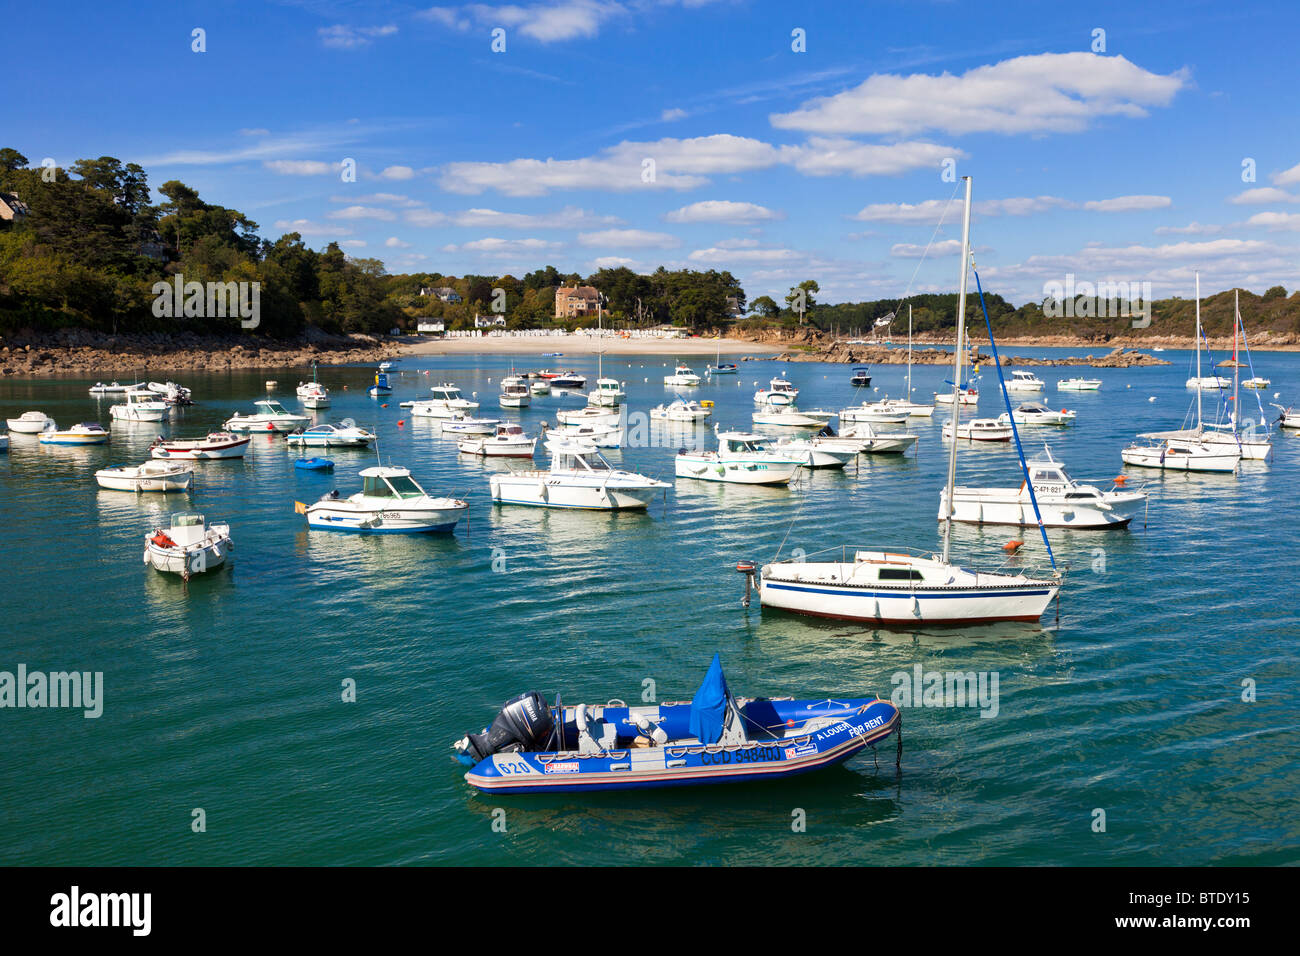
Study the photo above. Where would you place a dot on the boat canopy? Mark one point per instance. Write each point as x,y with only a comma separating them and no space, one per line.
709,705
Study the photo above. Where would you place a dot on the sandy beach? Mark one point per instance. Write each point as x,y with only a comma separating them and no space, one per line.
588,345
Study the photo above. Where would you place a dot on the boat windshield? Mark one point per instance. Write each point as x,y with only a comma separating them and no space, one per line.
400,486
273,408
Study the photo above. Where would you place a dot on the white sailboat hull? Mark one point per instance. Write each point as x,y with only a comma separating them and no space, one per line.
1155,457
709,466
545,489
1009,506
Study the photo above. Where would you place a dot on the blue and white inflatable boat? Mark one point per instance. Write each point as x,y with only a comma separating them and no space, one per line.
714,738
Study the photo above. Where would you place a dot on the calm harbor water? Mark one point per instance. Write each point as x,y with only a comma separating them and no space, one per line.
225,694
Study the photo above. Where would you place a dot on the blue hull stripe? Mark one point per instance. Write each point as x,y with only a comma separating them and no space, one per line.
906,595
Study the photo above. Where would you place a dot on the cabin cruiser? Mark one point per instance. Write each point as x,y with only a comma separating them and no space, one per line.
86,433
1209,382
599,434
1021,381
873,442
609,393
446,401
540,387
579,477
785,416
1062,501
389,502
514,393
188,546
463,425
1078,384
151,476
270,416
216,445
1036,413
344,434
979,429
778,392
742,458
140,406
680,410
508,441
568,381
1174,454
589,415
30,423
682,377
818,452
883,412
1257,382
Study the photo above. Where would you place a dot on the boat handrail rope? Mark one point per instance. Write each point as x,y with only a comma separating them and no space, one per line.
1015,432
1251,362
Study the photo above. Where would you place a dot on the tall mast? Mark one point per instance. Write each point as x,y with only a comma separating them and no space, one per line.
909,351
1236,364
957,366
1198,351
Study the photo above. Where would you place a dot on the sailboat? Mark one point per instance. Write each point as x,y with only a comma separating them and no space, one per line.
1200,381
911,587
609,391
1232,434
913,409
727,368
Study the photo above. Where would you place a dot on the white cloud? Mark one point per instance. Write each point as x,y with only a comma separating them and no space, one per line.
1262,194
1288,177
363,212
504,247
392,242
724,256
1191,229
300,167
671,115
1275,220
930,210
823,156
724,211
308,228
446,16
613,262
392,199
1128,203
259,131
549,23
628,239
1042,93
344,37
397,173
353,243
908,250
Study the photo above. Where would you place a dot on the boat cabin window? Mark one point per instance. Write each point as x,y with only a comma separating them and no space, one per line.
187,521
901,574
1049,474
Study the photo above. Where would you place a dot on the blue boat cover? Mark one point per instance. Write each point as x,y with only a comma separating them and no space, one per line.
709,705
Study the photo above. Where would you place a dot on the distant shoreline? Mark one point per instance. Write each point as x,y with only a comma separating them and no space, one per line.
590,345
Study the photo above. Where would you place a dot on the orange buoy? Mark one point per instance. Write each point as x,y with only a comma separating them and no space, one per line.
401,422
1121,479
385,405
1013,546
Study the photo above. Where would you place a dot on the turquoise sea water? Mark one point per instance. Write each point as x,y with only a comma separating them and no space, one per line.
225,694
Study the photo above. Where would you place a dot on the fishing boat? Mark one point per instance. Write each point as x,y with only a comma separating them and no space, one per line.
1173,454
1036,413
216,445
445,401
172,393
873,442
188,546
344,434
609,393
978,429
682,377
140,406
30,423
381,387
778,392
1062,501
861,377
153,475
508,441
532,747
113,388
785,416
390,502
1078,384
1022,381
388,365
313,394
314,464
579,477
908,587
463,425
818,452
85,433
879,413
270,416
742,458
680,410
514,393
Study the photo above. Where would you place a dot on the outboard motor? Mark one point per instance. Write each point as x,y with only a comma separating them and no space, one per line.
525,723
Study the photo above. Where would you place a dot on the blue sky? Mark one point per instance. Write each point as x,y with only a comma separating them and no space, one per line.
778,165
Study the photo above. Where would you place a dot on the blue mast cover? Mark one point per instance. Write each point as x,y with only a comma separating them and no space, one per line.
709,705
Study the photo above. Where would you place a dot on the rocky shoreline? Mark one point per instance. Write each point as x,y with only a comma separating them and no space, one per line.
80,351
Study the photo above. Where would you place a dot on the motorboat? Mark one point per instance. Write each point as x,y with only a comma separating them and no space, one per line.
1288,417
1209,382
1078,384
682,377
313,395
568,381
1021,381
540,387
1256,382
150,476
215,445
579,477
85,433
1062,501
344,434
445,401
680,410
778,392
785,416
965,396
188,546
30,423
600,434
589,415
388,365
508,441
1036,413
270,416
979,429
463,425
861,377
390,502
609,393
742,458
880,413
172,393
873,442
908,587
140,406
532,747
113,388
1174,454
514,393
817,452
381,386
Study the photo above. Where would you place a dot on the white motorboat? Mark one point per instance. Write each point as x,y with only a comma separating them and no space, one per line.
778,392
742,458
462,425
1078,384
1209,382
30,423
344,434
508,441
86,433
818,452
1062,501
682,377
880,413
589,415
188,546
579,477
388,366
910,588
540,387
609,393
270,416
861,377
313,394
785,416
1256,382
979,429
514,393
1021,381
216,445
1173,454
390,502
445,401
140,406
873,442
1036,413
151,476
681,410
172,393
113,388
1288,417
966,396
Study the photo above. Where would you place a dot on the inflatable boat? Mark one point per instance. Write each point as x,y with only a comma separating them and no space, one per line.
714,738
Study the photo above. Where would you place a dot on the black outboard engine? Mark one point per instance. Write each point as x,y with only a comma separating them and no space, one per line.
525,723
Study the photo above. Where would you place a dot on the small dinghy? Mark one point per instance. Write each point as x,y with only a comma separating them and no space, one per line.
532,747
314,464
215,445
153,475
30,423
188,546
